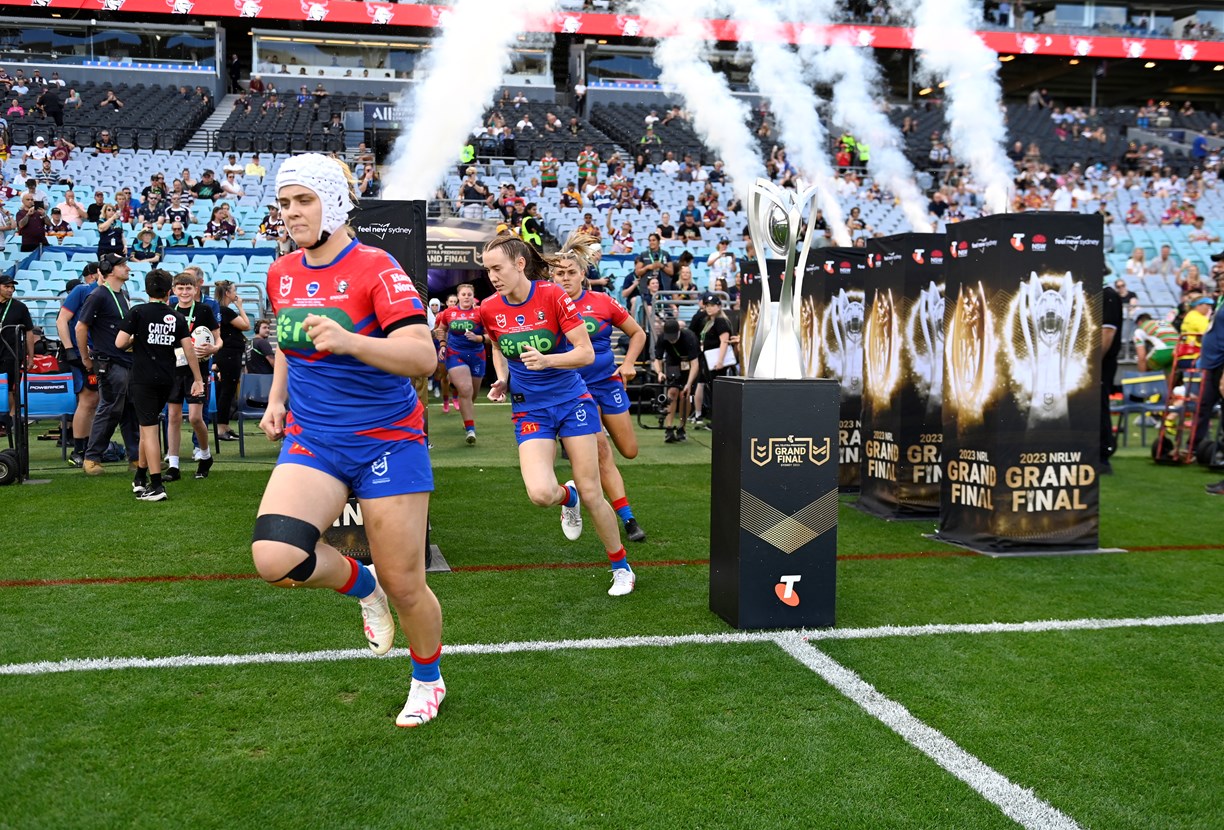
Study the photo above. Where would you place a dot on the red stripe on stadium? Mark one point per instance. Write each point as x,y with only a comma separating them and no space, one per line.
529,566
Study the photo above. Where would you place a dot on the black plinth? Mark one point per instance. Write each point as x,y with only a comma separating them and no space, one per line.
773,502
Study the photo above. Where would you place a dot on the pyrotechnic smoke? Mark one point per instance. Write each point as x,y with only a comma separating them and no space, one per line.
777,73
462,71
950,49
856,78
718,117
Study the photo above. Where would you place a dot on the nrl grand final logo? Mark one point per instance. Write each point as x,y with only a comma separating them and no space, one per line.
789,451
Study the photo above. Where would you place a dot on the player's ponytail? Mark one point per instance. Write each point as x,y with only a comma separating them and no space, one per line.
581,248
512,247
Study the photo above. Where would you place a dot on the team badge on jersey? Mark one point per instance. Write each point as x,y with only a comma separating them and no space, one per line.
520,319
501,320
312,289
286,285
342,286
540,315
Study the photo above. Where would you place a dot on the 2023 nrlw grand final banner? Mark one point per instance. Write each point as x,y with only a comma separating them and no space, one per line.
1021,399
903,360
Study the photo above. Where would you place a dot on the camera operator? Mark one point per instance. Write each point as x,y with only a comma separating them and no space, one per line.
677,360
13,313
97,325
32,223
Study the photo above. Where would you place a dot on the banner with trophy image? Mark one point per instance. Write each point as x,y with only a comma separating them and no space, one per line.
903,376
842,275
1021,403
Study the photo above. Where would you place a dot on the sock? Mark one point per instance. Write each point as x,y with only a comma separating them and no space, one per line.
155,479
78,444
618,560
205,454
173,460
142,474
361,583
622,508
469,425
569,495
426,669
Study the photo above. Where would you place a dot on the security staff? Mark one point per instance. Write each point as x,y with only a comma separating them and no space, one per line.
531,230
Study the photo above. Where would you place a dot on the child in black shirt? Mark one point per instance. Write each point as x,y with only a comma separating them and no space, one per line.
154,331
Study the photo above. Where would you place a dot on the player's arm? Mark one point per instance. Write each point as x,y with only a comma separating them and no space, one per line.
82,339
273,421
637,342
694,362
62,321
407,351
1141,355
582,353
501,368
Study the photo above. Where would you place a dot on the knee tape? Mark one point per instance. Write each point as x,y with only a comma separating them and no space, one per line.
287,530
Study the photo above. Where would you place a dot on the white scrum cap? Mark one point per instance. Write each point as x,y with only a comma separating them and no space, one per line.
322,175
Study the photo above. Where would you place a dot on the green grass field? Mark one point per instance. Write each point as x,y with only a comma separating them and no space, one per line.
688,725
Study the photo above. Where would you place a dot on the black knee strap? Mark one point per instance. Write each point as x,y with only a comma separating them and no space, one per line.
273,527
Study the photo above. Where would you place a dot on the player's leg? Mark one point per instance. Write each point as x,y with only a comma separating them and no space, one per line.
669,420
174,427
195,414
82,419
395,526
613,405
583,452
461,382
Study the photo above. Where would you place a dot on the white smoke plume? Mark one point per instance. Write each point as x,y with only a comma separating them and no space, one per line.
718,117
777,73
463,70
855,78
949,48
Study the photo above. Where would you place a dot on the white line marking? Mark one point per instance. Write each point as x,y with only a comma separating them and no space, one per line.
191,661
1017,803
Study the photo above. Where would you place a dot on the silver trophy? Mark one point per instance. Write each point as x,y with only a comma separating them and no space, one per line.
1050,321
774,218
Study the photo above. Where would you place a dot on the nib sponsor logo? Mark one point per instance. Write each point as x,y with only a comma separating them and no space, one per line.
785,590
1017,241
1039,242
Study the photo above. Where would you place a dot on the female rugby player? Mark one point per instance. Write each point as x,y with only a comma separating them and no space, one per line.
465,353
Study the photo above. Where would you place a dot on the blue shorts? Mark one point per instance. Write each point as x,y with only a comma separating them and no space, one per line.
475,361
610,396
577,417
389,462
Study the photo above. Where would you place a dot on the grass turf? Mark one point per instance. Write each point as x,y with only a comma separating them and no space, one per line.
1116,728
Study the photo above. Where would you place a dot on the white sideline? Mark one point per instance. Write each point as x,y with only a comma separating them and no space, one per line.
192,661
1019,804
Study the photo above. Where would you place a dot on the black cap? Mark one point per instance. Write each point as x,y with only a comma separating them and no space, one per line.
1218,257
111,260
7,279
90,268
671,331
708,298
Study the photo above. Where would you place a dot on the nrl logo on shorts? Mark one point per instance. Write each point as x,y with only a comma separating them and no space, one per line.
789,451
379,467
286,285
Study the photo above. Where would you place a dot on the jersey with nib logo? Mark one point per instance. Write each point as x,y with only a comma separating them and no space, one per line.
366,291
541,322
602,315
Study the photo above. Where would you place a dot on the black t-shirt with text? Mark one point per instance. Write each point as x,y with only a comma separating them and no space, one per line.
103,311
156,330
685,348
197,315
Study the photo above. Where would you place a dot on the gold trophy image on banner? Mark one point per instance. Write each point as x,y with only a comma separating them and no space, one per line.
924,344
1046,344
774,219
970,350
774,479
810,319
882,357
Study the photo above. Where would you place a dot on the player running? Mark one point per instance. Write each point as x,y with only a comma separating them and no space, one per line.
527,320
465,353
603,379
351,327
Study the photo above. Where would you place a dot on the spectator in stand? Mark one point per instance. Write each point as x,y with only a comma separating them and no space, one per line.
602,198
147,247
1164,264
653,263
70,210
176,212
123,205
723,263
713,217
1200,233
690,209
178,237
152,212
524,125
370,185
256,85
473,196
254,168
232,165
647,202
665,229
208,189
188,178
588,164
62,150
230,186
571,197
675,114
221,225
669,166
689,229
110,233
549,165
1190,280
15,110
39,152
111,101
589,227
57,228
32,223
622,240
650,139
73,99
1136,265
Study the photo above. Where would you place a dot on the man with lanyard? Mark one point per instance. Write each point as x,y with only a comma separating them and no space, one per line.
84,386
654,262
97,325
13,313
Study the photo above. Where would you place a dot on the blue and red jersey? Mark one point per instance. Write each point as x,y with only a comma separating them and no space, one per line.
456,322
366,291
602,315
541,322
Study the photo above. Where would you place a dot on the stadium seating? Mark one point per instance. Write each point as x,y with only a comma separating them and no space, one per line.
290,128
